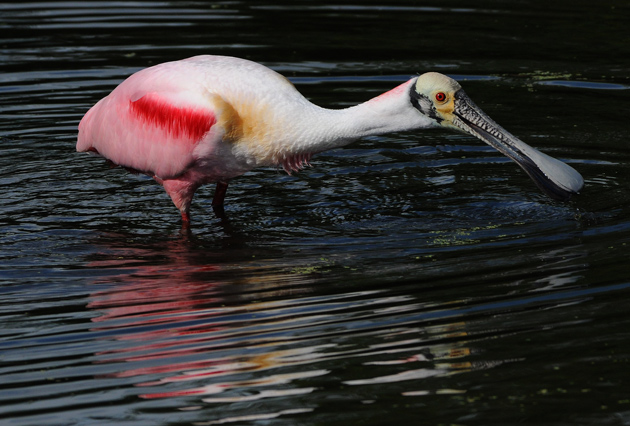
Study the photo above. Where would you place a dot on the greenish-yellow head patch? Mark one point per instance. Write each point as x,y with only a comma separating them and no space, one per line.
436,96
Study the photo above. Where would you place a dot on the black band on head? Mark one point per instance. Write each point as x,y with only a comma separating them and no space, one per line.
423,104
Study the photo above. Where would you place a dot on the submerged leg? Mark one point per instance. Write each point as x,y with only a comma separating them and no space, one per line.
219,193
217,201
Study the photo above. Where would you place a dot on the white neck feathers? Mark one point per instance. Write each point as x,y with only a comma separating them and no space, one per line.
324,129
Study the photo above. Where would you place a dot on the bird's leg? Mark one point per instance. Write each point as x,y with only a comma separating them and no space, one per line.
181,192
185,229
219,193
217,201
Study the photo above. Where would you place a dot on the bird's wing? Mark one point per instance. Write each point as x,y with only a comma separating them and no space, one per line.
152,130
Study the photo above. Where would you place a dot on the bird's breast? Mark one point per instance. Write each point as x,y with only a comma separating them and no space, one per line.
257,132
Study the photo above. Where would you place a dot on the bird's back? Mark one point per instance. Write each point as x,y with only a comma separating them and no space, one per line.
161,119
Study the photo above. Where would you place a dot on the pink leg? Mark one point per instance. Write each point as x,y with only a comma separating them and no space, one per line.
181,192
219,193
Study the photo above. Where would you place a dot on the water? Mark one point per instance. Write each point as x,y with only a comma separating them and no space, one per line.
415,278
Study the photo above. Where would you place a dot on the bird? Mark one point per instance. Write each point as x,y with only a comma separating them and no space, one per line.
208,119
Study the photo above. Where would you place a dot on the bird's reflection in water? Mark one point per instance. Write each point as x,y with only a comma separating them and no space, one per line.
180,327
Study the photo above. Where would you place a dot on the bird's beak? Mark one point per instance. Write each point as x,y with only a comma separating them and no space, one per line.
557,179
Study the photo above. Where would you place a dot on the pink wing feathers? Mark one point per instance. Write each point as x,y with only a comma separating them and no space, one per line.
152,122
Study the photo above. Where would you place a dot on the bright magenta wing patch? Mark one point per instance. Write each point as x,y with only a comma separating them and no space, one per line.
180,123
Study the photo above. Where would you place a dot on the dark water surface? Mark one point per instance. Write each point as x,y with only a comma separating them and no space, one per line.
416,278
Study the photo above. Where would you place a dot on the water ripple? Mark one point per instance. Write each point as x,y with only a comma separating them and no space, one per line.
413,275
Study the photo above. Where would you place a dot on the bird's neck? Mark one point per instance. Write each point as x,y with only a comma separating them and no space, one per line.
306,129
392,111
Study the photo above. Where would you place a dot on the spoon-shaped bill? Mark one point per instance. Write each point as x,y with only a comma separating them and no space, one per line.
556,178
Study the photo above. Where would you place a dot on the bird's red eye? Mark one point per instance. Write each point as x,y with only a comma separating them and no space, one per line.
440,97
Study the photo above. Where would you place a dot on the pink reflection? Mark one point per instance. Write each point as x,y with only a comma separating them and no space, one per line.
180,327
173,315
271,380
147,297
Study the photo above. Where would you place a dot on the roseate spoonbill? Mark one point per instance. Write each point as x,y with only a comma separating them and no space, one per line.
212,118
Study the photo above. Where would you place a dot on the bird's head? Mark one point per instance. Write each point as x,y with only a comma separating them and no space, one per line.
443,100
